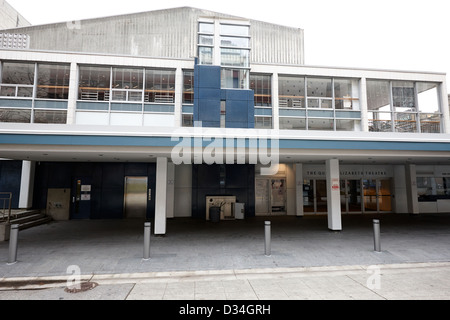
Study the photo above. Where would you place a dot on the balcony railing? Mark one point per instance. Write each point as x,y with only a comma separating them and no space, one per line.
5,209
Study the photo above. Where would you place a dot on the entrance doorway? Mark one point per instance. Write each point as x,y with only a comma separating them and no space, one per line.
81,198
270,196
135,197
376,196
351,196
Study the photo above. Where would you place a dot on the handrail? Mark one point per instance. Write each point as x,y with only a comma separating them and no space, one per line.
7,198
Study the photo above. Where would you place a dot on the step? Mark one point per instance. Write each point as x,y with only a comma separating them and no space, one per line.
15,214
27,218
32,223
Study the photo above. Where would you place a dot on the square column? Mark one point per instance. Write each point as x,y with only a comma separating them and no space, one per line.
299,189
170,189
73,94
411,189
161,196
26,185
333,195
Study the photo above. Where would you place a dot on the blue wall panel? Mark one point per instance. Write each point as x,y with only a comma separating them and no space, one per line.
108,180
10,177
239,182
208,96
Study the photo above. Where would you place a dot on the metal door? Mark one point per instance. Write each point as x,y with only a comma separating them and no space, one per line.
81,198
135,197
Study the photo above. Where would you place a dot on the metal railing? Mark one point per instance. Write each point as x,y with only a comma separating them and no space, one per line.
5,201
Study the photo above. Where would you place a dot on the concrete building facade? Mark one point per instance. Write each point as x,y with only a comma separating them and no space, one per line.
10,18
165,114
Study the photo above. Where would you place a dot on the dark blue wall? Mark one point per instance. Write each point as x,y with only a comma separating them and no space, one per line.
239,182
107,180
207,95
10,176
240,110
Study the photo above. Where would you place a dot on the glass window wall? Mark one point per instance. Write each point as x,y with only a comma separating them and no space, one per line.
235,79
330,104
94,83
262,87
160,86
34,93
188,87
206,27
53,81
235,42
235,57
431,189
17,80
234,30
205,55
403,106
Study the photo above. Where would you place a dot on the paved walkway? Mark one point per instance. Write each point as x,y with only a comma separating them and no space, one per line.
199,260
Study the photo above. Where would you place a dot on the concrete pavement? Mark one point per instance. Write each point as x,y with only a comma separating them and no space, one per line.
199,260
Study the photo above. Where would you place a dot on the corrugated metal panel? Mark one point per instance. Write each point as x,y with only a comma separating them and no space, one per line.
276,44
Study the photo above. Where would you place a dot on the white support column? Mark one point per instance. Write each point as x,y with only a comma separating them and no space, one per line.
443,98
275,103
411,188
299,189
178,97
161,196
363,105
333,195
170,189
73,94
26,185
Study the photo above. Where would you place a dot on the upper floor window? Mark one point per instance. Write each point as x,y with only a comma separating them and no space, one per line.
226,44
262,86
188,86
127,84
17,79
403,106
319,103
160,86
34,92
94,83
53,81
234,30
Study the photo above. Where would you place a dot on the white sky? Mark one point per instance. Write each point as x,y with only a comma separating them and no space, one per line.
382,34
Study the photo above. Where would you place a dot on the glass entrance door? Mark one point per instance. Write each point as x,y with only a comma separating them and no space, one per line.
370,195
314,196
384,196
377,195
351,196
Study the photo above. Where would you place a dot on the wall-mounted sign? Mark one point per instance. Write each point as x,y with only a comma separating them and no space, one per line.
86,188
349,171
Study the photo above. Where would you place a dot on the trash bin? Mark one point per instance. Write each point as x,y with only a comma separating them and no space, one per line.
239,211
214,214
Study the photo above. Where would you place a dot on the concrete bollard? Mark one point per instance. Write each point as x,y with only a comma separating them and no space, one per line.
147,233
13,237
376,235
268,239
